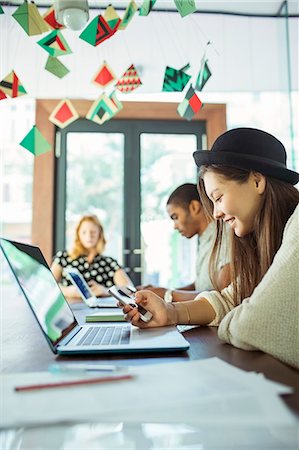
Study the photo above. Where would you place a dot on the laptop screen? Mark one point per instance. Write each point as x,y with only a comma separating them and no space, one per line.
78,281
41,290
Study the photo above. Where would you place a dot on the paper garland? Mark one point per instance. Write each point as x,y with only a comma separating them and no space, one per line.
97,31
29,19
55,44
128,16
35,142
175,80
129,80
146,7
56,67
112,18
190,105
104,76
50,18
11,86
64,114
185,7
104,108
203,76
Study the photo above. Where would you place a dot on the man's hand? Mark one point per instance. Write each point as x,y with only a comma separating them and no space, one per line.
160,291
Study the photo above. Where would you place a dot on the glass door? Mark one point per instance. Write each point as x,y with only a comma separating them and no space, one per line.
94,185
123,171
168,259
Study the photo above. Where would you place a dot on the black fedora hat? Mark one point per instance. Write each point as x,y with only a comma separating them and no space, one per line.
249,149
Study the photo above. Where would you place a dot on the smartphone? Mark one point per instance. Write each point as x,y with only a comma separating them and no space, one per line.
125,296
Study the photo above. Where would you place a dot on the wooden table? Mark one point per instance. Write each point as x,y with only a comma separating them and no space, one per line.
23,348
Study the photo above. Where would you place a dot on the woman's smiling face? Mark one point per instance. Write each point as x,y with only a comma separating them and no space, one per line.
235,203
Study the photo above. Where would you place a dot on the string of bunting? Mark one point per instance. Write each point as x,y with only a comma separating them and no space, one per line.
100,28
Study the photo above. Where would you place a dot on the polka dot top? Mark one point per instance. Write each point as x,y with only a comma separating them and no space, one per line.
101,269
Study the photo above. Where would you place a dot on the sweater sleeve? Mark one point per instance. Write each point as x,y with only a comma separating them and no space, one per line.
222,302
268,319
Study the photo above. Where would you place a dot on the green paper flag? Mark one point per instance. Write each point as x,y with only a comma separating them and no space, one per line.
1,10
128,16
185,7
175,80
146,7
29,18
56,67
203,76
97,31
55,44
35,142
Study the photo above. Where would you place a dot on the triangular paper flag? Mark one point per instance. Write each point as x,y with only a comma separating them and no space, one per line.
128,16
29,18
1,12
50,18
175,80
190,105
64,114
104,76
146,7
112,18
203,76
102,110
129,81
35,142
55,44
12,86
97,31
56,67
185,7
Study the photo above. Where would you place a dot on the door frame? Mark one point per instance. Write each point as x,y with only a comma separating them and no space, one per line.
45,174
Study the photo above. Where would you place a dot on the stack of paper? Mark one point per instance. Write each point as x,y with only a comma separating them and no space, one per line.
200,392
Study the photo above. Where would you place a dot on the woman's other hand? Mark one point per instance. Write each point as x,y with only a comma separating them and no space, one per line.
97,289
163,313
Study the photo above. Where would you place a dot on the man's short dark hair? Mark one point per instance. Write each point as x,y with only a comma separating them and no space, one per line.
183,195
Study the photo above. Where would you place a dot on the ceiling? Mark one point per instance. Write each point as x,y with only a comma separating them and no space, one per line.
246,53
238,7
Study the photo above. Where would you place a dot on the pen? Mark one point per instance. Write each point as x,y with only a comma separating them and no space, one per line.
60,368
37,387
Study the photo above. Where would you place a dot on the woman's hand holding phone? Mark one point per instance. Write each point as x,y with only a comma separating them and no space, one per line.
162,313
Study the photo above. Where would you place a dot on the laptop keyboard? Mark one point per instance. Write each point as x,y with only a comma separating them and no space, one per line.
109,335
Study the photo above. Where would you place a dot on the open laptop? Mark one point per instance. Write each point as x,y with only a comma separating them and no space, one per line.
85,292
58,323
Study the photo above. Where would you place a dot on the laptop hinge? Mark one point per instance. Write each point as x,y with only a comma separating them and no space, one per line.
70,336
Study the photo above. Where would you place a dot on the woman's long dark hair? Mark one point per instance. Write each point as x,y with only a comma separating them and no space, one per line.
251,255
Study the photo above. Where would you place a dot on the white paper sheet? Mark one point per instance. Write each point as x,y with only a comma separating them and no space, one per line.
196,392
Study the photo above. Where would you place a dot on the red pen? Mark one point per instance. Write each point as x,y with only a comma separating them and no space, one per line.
35,387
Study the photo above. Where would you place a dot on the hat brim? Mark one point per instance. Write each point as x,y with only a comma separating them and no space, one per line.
246,162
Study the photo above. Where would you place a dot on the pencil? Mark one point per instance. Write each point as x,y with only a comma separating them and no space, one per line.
35,387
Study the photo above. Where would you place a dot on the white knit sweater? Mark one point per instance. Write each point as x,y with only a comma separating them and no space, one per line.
269,319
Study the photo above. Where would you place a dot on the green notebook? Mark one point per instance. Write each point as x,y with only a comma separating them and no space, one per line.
103,316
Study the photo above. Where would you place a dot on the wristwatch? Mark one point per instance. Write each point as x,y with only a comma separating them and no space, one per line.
168,296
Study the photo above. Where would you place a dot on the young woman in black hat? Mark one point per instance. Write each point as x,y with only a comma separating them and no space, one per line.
244,182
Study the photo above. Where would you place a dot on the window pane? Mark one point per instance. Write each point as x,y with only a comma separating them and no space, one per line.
17,117
95,185
166,162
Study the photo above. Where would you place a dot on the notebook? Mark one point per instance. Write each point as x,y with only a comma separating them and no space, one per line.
106,316
85,292
58,324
